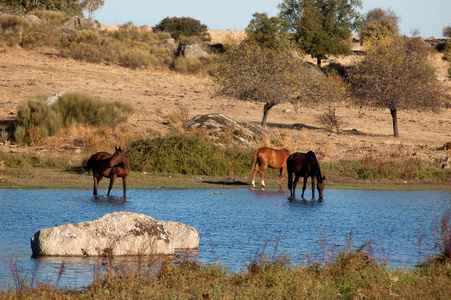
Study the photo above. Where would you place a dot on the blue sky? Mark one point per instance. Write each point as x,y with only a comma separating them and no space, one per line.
429,17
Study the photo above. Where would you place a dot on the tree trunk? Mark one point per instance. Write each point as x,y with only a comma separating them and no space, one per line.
394,116
318,62
266,109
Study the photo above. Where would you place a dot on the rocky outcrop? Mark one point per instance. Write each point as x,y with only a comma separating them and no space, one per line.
217,124
193,50
78,23
118,233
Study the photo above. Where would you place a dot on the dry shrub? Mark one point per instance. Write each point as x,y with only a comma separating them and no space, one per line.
137,58
331,121
202,65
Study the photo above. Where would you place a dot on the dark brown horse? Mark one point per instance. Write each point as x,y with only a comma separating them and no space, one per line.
268,157
304,165
110,166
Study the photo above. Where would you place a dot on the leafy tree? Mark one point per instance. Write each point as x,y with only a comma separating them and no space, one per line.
395,74
183,27
322,26
268,32
271,76
447,31
379,23
74,7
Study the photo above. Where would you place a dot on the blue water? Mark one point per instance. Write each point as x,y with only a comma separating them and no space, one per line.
234,224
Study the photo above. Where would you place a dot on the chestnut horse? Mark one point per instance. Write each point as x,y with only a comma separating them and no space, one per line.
304,165
268,157
110,166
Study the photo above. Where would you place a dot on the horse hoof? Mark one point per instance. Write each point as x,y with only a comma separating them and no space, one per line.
263,183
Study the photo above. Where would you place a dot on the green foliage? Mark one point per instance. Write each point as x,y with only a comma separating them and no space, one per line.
322,27
379,23
36,119
81,108
186,154
268,32
72,7
183,27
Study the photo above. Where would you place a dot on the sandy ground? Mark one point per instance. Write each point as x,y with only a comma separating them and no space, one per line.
156,95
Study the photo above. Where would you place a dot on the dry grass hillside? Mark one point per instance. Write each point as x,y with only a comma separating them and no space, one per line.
159,96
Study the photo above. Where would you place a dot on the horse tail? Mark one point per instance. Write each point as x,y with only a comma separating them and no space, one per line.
253,164
314,165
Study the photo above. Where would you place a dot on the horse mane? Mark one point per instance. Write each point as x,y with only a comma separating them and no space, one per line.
314,165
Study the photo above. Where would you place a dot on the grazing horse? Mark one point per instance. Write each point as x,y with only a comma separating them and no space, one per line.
110,166
268,157
304,165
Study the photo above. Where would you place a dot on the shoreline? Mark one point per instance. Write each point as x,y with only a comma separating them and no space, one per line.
41,178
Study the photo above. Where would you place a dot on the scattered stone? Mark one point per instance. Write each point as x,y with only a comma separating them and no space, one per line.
52,99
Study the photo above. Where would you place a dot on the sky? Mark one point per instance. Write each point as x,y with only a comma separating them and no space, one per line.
428,17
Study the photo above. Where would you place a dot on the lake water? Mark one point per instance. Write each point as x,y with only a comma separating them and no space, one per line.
234,224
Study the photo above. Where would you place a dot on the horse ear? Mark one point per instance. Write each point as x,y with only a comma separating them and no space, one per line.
119,149
115,148
324,177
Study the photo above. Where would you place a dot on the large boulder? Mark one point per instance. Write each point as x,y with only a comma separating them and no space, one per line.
216,124
193,50
118,233
78,23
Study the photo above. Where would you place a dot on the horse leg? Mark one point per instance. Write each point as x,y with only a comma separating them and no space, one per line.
113,177
262,173
295,183
124,184
282,173
313,187
97,178
255,174
305,184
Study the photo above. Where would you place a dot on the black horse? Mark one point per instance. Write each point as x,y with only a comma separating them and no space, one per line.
304,165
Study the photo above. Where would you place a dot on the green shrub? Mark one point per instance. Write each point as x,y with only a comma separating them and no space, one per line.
186,154
35,120
51,17
81,108
183,26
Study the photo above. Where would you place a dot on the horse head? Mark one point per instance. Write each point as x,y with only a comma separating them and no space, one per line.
117,157
320,185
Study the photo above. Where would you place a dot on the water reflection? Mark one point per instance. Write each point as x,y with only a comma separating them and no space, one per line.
110,200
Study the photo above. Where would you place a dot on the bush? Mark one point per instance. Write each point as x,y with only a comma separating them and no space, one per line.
183,27
35,120
80,108
186,154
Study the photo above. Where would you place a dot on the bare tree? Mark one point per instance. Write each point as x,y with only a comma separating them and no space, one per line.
396,74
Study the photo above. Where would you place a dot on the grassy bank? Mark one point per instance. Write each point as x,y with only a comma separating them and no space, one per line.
350,274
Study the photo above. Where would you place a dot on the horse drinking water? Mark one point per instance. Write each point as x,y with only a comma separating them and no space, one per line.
268,157
108,165
304,165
